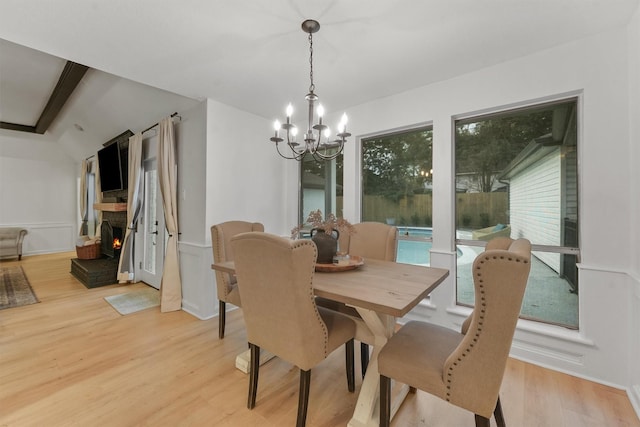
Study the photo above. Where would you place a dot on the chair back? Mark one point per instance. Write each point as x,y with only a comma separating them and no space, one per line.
221,235
373,240
474,370
275,280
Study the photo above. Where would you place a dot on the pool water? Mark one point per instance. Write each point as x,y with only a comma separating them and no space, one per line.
412,251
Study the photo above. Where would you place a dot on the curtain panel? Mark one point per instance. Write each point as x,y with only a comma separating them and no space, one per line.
84,197
171,286
126,266
98,191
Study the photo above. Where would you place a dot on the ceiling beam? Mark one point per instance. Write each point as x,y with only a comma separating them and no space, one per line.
67,83
69,80
19,128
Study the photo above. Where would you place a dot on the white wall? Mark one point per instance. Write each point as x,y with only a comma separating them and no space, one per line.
231,172
634,208
38,188
595,69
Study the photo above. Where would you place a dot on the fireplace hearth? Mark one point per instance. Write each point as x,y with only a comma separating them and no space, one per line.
95,272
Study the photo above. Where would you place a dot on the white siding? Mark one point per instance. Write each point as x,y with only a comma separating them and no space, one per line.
535,206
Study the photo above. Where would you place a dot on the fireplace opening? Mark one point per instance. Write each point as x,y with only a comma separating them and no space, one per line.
111,240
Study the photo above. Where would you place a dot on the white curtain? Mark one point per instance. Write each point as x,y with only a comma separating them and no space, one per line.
84,197
126,266
171,287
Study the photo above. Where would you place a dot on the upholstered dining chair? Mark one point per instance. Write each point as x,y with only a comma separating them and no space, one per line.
464,369
275,280
221,235
371,240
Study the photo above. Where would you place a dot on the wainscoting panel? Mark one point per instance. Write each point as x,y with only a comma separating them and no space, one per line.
199,296
48,238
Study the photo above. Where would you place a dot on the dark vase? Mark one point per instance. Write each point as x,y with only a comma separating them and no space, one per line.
327,244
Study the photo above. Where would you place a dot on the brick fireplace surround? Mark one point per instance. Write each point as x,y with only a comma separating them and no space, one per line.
93,273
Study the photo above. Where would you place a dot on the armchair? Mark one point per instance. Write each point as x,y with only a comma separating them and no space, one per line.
11,242
275,281
464,369
373,240
221,235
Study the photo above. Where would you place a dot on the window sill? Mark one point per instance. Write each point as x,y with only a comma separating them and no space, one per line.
538,328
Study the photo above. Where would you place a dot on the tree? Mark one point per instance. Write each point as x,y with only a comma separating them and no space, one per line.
485,147
397,165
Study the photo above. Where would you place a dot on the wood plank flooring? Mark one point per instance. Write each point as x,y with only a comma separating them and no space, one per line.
72,360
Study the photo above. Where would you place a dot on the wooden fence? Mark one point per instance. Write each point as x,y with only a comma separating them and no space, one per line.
473,210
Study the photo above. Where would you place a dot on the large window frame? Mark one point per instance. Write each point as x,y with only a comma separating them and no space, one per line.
568,250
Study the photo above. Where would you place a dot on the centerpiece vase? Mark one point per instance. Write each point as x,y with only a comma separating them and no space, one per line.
327,244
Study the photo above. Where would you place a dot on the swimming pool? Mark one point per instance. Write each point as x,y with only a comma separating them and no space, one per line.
414,251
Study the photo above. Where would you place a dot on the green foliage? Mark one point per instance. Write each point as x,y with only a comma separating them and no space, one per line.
485,221
485,147
396,164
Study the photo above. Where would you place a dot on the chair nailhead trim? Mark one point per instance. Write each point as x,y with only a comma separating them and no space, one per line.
467,350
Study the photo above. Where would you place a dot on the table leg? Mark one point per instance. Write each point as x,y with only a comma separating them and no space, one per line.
243,360
367,410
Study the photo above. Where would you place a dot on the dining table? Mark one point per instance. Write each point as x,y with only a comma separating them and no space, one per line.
381,292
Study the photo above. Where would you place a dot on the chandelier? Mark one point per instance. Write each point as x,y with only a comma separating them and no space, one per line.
317,138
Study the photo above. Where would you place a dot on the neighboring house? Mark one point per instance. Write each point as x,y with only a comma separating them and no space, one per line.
539,177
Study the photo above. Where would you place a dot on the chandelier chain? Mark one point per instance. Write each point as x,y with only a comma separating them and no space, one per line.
311,86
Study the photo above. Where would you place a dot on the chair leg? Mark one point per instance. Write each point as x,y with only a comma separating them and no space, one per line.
253,375
385,401
482,421
303,397
364,357
351,376
497,413
222,317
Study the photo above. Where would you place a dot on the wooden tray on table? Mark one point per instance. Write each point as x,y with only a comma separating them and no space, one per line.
354,262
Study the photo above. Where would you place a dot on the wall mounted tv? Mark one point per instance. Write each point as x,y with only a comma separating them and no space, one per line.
113,164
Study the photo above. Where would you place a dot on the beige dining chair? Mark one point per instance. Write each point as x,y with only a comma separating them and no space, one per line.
221,235
275,280
464,368
370,240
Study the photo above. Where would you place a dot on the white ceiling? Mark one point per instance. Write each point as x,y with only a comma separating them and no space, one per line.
252,54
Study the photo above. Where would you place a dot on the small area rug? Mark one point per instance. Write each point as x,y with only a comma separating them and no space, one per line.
134,301
15,289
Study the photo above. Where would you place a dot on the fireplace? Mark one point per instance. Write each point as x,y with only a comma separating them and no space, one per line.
111,238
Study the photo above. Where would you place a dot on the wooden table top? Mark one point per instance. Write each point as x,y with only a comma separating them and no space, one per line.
382,286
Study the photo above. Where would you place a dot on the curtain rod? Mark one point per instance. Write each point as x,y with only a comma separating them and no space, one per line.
147,129
152,126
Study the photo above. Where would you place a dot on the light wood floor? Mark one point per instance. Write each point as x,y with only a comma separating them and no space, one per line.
73,360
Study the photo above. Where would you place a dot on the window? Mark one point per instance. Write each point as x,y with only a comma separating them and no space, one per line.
397,188
321,186
516,176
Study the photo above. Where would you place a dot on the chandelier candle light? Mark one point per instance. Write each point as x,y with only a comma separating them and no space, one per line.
317,143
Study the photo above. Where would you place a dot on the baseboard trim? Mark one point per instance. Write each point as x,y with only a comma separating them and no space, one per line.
634,397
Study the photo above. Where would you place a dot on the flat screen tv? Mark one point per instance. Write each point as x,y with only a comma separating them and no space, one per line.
113,169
